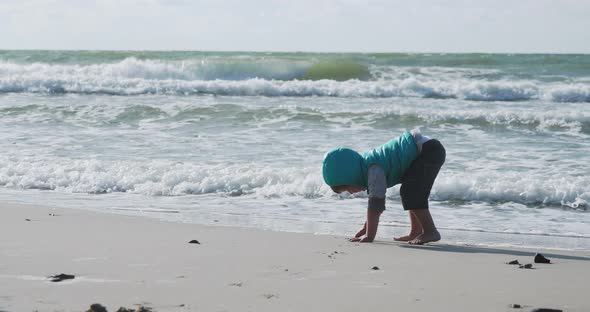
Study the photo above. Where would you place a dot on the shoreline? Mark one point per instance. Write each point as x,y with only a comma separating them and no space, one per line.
123,260
389,227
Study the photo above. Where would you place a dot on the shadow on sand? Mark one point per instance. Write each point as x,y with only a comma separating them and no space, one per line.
485,250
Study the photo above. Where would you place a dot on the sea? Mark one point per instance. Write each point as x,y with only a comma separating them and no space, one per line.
238,138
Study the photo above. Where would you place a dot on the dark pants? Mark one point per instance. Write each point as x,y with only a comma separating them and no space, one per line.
418,179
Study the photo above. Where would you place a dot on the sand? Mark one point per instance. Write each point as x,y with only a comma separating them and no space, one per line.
130,261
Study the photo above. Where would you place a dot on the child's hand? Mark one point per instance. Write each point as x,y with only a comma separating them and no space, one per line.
361,232
358,237
367,233
361,240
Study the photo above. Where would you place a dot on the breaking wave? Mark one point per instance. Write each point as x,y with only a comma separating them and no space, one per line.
281,78
173,179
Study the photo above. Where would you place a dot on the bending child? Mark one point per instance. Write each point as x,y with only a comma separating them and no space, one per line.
411,159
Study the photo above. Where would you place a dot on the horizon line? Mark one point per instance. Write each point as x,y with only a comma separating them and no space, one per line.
296,51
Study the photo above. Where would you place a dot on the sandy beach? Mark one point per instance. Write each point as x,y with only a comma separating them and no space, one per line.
129,261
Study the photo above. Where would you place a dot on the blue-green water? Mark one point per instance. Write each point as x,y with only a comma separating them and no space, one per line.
238,137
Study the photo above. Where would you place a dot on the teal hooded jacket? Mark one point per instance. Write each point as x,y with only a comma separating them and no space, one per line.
344,166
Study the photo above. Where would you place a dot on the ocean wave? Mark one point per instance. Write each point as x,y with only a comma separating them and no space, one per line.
154,178
541,120
493,187
136,77
183,70
160,178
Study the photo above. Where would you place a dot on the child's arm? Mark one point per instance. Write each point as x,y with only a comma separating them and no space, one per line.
377,187
369,230
372,224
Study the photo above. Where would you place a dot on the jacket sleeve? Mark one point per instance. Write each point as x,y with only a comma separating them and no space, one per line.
376,187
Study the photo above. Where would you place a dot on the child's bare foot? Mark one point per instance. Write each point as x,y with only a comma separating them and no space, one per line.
426,237
407,238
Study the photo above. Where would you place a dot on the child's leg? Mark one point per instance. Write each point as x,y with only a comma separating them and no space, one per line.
415,230
429,231
415,190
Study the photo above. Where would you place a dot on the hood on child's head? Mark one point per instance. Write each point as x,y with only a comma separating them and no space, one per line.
344,166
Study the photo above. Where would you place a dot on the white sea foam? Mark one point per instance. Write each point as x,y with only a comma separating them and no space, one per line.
571,191
161,112
173,179
155,178
133,77
575,92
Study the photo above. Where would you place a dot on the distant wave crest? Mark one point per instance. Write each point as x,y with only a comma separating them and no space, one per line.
274,78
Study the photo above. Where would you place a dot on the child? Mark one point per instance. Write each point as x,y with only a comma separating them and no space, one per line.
410,159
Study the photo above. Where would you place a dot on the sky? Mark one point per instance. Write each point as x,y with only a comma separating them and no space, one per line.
505,26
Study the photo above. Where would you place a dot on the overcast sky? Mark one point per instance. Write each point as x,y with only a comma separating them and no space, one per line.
543,26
